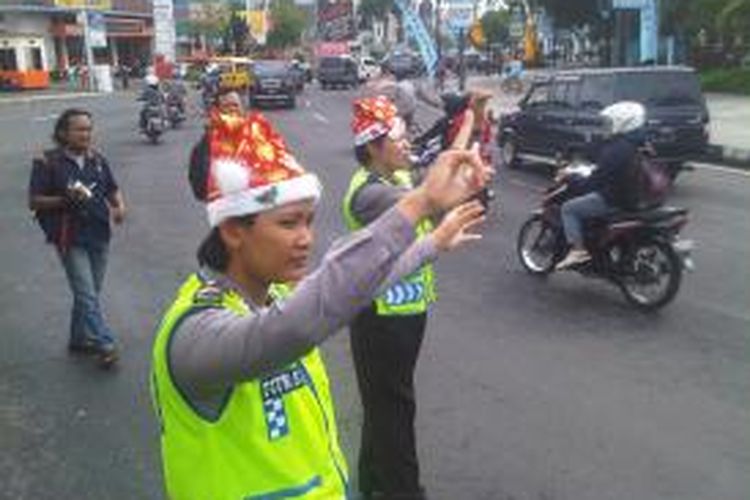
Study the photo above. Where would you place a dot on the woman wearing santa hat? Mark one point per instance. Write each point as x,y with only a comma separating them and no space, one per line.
239,386
387,335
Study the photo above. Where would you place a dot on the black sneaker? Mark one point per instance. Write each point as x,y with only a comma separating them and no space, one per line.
86,347
107,357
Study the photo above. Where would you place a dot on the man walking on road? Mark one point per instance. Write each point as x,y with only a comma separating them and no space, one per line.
74,195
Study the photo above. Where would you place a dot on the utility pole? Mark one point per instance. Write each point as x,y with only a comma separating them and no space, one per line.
88,50
438,38
461,59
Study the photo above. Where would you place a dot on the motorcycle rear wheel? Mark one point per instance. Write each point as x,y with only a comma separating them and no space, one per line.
652,275
538,246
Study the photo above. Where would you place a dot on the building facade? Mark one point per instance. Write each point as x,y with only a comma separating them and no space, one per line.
49,34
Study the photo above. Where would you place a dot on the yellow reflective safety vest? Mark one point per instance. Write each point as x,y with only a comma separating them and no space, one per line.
414,293
275,437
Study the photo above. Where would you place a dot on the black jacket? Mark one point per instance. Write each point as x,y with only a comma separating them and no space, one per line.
615,160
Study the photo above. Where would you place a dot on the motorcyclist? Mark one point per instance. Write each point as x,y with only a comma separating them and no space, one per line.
464,124
176,93
210,83
607,187
152,98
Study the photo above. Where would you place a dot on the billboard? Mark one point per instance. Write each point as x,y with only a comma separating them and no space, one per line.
97,30
164,29
336,20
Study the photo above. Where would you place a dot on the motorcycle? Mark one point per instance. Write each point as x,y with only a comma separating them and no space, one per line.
429,144
175,112
641,252
153,126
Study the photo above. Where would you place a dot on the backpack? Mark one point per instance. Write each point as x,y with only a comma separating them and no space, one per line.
649,182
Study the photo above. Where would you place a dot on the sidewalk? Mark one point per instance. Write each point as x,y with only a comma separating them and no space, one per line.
57,91
730,114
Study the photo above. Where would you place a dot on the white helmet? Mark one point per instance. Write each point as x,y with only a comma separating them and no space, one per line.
624,116
151,80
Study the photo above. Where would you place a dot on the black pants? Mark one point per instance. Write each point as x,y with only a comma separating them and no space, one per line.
385,351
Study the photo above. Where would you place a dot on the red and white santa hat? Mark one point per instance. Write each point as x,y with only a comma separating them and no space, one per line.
375,117
251,169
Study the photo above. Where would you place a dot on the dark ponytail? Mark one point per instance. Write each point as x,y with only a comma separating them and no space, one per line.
212,252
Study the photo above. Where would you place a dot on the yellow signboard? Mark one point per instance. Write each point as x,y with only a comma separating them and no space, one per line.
476,35
85,4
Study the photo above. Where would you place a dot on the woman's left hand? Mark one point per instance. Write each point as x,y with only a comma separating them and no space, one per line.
118,214
453,231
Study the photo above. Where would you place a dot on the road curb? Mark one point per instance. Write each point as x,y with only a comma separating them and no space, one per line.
728,156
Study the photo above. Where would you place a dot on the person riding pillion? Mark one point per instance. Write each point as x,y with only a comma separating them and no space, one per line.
239,387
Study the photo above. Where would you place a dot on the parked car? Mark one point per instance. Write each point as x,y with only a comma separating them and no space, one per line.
404,64
368,68
274,82
338,71
562,111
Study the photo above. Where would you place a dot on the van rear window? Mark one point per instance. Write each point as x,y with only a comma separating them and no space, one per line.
660,89
332,62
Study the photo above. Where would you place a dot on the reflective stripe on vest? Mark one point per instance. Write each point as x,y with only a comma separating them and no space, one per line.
414,293
275,437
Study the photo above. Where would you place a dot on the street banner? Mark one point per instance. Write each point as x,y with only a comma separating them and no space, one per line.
415,29
336,20
330,49
85,4
97,30
257,24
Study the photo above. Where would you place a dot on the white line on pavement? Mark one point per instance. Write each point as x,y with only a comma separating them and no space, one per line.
45,118
320,117
515,181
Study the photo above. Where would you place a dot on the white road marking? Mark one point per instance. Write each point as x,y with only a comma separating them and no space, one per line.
320,117
515,181
45,118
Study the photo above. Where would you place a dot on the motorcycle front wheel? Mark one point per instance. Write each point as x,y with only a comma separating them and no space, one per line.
651,275
538,246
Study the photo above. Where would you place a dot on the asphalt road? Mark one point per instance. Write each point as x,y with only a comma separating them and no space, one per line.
528,389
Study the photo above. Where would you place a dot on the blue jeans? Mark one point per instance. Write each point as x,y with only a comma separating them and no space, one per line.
576,210
85,268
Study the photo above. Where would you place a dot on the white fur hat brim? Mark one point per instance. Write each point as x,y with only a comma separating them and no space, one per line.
263,198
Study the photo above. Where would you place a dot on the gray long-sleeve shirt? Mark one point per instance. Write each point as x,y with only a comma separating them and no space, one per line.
214,348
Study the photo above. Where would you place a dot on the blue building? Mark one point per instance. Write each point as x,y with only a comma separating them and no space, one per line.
636,32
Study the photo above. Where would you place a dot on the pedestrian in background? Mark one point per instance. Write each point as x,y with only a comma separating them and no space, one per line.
387,335
74,195
240,388
125,76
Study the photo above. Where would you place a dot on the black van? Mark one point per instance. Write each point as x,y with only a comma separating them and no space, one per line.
561,112
338,71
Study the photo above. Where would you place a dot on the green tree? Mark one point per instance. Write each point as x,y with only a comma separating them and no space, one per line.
734,17
495,26
287,24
